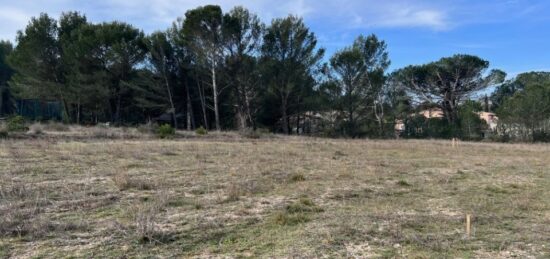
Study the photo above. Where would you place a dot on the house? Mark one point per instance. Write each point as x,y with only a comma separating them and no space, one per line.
168,118
432,113
490,118
34,109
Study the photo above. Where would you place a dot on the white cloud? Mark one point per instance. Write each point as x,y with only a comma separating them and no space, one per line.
433,19
158,14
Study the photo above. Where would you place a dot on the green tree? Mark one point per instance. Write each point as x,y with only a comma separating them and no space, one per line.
449,81
121,48
183,55
289,58
204,29
527,112
470,124
510,87
37,60
359,71
6,101
242,32
42,59
164,65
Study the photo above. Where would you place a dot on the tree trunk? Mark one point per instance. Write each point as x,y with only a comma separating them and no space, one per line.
66,108
285,117
78,112
189,107
173,108
117,111
1,100
248,112
215,94
203,104
298,124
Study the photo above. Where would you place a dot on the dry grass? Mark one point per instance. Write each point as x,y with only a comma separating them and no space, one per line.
222,195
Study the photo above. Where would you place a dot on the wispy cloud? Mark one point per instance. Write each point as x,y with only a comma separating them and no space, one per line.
158,14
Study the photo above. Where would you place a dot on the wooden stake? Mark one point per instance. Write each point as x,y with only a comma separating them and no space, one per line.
468,228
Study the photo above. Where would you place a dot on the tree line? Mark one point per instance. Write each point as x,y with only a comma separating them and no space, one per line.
229,70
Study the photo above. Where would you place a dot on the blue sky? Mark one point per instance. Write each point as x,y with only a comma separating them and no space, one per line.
514,35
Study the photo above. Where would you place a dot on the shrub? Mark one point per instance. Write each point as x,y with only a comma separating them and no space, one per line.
165,131
234,193
16,124
124,182
297,177
303,205
147,218
201,131
297,213
403,183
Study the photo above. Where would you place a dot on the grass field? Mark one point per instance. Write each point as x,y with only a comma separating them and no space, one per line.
227,196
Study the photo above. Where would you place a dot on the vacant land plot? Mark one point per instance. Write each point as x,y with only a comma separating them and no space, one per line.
282,197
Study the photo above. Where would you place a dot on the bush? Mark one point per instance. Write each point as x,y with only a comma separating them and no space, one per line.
297,212
123,182
16,124
297,177
165,131
201,131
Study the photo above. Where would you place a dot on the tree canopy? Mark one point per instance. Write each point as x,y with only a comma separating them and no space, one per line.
228,70
449,81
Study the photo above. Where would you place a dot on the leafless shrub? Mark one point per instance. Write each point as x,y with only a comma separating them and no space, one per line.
147,219
234,192
124,182
247,187
297,177
14,190
22,210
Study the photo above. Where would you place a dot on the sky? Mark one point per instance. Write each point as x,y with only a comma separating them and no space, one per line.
513,35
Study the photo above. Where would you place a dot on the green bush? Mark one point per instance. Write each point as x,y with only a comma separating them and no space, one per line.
201,131
297,212
165,131
297,177
16,124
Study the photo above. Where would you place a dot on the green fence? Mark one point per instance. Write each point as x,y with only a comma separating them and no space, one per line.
40,110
